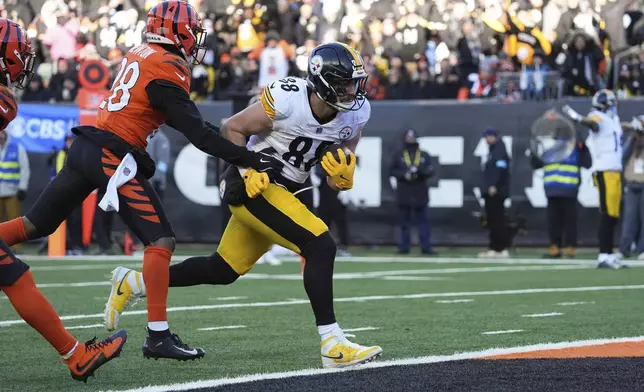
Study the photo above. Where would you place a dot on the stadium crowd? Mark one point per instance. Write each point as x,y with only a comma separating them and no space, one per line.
441,49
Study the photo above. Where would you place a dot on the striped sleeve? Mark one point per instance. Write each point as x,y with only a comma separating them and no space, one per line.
268,103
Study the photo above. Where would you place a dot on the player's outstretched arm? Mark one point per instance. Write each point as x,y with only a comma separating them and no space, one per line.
588,121
250,121
182,114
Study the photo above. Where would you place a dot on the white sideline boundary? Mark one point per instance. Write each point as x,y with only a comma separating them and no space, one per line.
7,323
374,365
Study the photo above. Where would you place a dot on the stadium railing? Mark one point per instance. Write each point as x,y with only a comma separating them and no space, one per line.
508,87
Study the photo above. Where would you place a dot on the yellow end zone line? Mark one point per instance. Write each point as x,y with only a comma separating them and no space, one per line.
492,352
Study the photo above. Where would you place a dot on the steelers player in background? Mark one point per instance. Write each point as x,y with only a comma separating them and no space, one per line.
606,147
299,122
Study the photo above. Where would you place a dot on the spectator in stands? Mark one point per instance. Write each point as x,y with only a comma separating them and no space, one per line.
469,49
561,183
273,63
581,67
61,36
14,177
633,216
412,169
36,91
448,81
532,79
496,188
64,84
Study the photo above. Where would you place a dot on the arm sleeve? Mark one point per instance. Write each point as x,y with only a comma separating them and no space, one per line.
182,114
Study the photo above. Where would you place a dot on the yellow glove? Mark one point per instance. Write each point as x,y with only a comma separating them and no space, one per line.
256,183
340,171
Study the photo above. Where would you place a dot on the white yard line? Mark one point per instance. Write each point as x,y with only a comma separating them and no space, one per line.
537,315
501,332
454,301
226,298
85,326
575,303
368,275
222,327
360,329
412,278
358,299
379,364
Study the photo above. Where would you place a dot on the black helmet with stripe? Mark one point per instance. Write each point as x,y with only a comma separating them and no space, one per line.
337,75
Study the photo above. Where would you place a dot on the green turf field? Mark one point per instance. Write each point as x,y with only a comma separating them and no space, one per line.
411,309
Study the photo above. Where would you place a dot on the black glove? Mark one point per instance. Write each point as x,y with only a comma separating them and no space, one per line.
22,195
265,163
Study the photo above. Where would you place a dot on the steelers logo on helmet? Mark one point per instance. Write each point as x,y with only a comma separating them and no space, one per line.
316,65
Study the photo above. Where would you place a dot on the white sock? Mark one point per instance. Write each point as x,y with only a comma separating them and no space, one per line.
329,330
70,352
158,326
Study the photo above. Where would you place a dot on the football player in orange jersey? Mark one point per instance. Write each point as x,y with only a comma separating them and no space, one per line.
151,88
17,282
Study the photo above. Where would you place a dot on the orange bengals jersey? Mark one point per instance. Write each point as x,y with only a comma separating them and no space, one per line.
8,107
127,112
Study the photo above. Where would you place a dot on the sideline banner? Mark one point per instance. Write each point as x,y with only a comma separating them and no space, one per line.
41,128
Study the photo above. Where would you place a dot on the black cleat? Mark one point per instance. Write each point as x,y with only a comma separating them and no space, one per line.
170,347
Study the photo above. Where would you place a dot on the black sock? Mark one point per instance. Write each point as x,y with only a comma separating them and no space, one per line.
606,233
318,277
202,270
158,335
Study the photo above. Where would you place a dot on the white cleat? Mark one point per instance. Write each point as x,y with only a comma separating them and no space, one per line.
127,287
340,352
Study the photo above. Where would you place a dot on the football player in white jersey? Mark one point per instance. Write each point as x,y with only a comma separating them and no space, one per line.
297,121
606,147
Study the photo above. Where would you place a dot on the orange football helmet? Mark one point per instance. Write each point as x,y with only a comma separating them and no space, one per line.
175,22
16,54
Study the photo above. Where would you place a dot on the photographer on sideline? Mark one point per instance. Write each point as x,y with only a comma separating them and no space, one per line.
412,169
496,188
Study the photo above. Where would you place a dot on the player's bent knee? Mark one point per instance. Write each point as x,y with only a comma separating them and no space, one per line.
165,242
37,229
10,273
323,247
220,272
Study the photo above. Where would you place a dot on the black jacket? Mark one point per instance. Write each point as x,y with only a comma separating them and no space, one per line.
412,192
497,170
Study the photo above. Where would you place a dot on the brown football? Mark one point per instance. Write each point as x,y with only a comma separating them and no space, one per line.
333,149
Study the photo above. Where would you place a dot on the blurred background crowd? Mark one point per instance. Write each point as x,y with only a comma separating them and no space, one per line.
420,49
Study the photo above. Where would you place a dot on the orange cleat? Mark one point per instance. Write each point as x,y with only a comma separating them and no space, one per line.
90,356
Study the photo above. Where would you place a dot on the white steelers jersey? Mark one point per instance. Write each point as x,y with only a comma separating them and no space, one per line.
297,138
606,144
